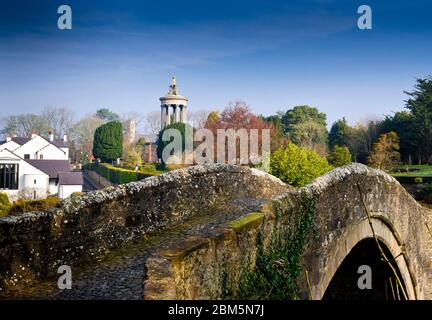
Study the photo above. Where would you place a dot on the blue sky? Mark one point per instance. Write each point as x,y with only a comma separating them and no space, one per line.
272,54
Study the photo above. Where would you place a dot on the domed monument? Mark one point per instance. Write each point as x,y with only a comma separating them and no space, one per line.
173,106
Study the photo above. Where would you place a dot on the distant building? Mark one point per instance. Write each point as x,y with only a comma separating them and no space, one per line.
36,167
129,132
173,106
149,153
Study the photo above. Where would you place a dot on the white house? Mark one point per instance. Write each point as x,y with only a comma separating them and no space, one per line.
36,167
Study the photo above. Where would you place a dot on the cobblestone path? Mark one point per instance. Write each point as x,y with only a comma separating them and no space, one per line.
121,274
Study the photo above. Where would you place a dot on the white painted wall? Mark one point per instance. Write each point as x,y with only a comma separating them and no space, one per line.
66,150
51,152
11,145
53,187
66,190
26,177
31,147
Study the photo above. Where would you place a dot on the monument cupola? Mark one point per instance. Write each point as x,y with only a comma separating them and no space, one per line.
173,106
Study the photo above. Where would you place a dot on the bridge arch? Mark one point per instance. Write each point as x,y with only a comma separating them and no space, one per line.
341,222
389,241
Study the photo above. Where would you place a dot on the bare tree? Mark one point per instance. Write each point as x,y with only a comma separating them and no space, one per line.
198,118
59,120
82,134
29,193
23,125
153,123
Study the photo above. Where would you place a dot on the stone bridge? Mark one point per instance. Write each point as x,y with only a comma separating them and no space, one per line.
225,232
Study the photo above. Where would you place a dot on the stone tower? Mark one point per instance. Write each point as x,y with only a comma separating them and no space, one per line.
173,106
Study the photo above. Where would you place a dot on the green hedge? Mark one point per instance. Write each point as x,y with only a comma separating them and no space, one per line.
118,175
412,180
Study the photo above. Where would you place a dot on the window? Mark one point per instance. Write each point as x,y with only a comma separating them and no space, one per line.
9,176
26,156
34,181
41,156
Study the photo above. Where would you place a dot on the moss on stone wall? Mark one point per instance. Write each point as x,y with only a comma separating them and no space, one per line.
278,265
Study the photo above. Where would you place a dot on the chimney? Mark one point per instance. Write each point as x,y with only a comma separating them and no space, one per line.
65,138
51,136
33,135
8,138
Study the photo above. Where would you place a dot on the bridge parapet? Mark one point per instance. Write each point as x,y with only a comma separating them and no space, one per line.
316,227
84,229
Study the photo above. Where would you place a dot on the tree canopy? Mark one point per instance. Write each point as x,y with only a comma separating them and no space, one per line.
108,141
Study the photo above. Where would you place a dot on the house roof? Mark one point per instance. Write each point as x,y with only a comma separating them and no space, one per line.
70,178
21,140
59,143
50,167
52,143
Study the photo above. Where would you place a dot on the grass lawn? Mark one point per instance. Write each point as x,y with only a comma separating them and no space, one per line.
425,171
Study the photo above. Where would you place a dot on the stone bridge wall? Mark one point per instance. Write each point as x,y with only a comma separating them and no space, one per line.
315,226
213,265
85,228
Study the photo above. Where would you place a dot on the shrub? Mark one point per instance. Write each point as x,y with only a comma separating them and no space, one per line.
340,156
297,166
132,156
108,141
22,206
118,175
385,152
4,204
181,127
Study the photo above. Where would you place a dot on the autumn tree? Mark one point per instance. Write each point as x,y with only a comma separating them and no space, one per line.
361,139
237,115
385,152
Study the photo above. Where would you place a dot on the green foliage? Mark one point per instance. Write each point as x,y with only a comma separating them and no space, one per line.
108,141
4,204
309,134
141,142
119,175
339,134
22,206
418,180
181,127
106,114
278,266
276,120
420,106
340,156
297,166
302,114
402,124
426,194
132,156
423,170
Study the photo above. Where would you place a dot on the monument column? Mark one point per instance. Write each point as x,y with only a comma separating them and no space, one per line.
175,101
